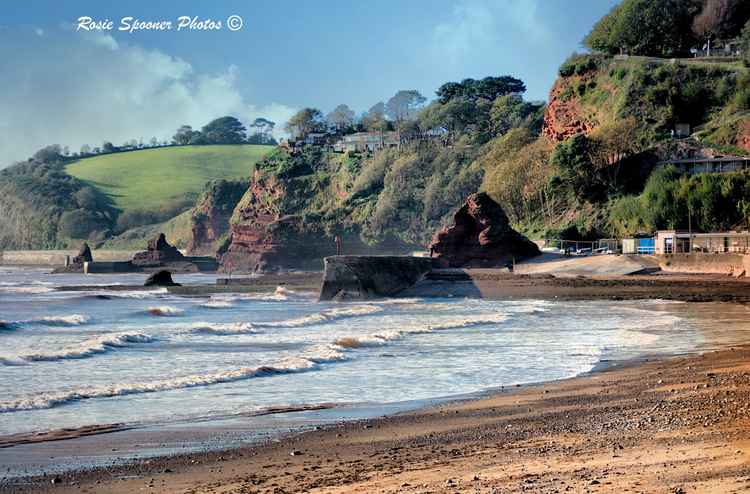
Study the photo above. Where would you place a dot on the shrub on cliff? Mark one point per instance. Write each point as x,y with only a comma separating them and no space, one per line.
708,201
80,223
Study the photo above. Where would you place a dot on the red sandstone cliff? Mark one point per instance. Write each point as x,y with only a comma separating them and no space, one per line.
563,117
267,233
211,215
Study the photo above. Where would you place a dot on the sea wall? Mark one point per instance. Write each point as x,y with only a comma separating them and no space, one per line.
729,264
364,277
57,257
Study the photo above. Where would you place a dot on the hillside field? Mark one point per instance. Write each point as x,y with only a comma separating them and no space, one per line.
147,178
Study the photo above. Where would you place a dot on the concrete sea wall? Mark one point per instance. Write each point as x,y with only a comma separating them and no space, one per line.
729,264
57,257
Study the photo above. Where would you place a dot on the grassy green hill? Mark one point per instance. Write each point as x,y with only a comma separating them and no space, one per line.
147,178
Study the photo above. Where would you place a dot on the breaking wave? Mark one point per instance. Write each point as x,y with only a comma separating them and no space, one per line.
324,316
306,362
87,348
27,289
224,328
165,311
217,304
382,337
69,320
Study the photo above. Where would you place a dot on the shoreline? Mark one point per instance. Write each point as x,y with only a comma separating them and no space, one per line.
595,431
199,465
174,472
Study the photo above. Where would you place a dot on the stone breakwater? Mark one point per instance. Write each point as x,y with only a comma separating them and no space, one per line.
364,277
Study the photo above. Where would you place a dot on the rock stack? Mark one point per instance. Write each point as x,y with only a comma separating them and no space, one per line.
158,253
480,236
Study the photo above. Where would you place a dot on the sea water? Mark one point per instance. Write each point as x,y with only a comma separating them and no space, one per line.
76,358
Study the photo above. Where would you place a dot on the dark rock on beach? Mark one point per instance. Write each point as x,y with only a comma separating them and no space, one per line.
84,255
364,277
161,278
480,236
158,252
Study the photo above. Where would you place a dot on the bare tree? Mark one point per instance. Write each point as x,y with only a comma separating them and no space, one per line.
709,23
341,118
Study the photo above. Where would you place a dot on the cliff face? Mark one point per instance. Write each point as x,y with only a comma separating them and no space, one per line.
274,227
743,137
564,116
209,219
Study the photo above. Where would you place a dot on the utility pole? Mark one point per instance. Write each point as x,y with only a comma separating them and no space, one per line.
690,230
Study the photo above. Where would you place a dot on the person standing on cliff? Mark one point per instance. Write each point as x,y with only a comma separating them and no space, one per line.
337,239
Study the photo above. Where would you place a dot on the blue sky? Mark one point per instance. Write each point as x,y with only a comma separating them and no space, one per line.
289,54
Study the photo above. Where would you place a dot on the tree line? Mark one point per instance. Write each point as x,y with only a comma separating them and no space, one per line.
670,28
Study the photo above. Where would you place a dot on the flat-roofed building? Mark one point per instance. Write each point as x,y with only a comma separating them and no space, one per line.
681,241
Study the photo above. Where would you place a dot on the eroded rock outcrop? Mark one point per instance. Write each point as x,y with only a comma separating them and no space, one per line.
743,136
84,255
563,116
480,236
157,253
209,220
268,231
160,278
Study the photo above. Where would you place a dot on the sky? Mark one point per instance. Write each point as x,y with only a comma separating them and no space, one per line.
64,84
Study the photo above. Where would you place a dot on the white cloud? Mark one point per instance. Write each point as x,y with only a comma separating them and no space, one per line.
73,90
475,26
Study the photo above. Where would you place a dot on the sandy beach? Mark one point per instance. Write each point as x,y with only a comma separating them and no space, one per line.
672,425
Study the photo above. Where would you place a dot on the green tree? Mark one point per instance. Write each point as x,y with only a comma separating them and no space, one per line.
304,122
49,154
404,105
745,43
341,118
646,27
184,135
224,130
510,111
488,88
261,131
87,198
78,223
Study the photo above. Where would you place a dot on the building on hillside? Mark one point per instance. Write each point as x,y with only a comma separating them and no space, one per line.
316,138
681,241
366,141
722,164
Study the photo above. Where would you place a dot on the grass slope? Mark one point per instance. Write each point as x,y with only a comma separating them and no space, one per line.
146,178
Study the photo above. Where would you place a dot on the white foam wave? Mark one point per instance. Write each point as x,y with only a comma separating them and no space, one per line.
69,320
87,348
217,304
224,328
305,362
136,294
324,316
382,337
27,289
165,311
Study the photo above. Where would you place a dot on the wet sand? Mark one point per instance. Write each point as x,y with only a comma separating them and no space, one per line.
655,426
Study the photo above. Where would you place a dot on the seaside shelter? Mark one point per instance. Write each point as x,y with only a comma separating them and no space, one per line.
638,245
679,241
